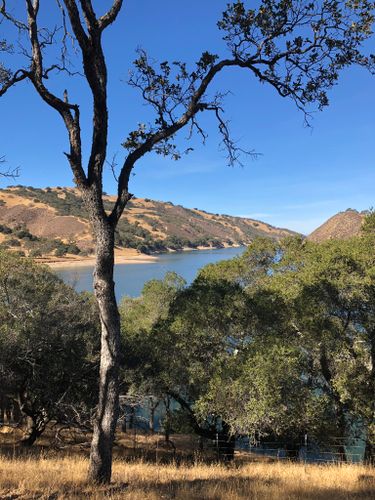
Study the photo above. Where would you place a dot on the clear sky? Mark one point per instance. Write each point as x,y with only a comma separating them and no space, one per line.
303,175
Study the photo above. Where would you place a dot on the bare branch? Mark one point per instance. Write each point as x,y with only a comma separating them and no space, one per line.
6,15
228,144
67,35
11,172
96,74
111,15
69,112
75,21
112,164
89,15
298,47
10,81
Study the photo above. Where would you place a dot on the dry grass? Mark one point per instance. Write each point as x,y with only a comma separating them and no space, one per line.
145,468
64,478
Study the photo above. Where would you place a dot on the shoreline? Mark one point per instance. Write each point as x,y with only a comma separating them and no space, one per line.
122,257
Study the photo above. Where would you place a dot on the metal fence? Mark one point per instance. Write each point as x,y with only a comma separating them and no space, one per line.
337,450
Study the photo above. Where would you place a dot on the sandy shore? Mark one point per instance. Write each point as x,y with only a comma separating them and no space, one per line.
122,257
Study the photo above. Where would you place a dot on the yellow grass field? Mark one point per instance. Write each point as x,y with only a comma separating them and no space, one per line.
145,468
64,478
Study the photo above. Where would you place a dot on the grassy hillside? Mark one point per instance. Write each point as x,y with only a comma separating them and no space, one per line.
343,225
53,221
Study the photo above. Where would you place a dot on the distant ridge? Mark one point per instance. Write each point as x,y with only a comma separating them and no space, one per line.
342,226
53,222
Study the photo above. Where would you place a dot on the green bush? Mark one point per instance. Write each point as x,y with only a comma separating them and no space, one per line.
5,229
73,249
25,234
35,253
12,242
60,252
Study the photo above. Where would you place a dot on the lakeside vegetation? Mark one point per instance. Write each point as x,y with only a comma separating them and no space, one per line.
276,345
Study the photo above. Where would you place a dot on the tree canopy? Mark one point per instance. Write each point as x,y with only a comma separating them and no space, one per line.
277,343
48,343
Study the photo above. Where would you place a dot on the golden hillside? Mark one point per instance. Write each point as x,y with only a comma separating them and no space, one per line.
53,221
341,226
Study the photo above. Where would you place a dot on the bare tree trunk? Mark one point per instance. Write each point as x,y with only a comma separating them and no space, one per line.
369,457
167,419
370,439
226,443
108,407
36,421
153,403
31,433
151,419
132,418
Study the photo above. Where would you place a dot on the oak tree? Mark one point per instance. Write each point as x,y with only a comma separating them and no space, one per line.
48,339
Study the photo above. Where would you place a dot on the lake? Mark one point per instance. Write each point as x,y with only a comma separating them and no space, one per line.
130,278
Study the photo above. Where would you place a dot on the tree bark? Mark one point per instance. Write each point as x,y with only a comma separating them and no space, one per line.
167,419
31,432
227,443
131,418
369,457
152,404
108,406
36,421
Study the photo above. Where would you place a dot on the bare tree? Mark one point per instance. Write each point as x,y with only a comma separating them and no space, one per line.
296,46
8,172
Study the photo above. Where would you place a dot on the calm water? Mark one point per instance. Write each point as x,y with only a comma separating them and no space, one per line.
130,278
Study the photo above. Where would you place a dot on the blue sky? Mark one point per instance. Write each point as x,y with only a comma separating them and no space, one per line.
303,175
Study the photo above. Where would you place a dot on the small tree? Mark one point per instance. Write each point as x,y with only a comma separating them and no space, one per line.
48,334
296,46
176,354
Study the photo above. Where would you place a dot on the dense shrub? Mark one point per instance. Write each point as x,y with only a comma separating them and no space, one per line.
12,242
48,341
5,229
35,253
60,252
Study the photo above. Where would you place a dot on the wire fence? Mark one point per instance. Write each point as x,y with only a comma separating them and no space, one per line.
339,450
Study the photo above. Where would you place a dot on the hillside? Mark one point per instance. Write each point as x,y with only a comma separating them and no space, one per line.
343,225
52,222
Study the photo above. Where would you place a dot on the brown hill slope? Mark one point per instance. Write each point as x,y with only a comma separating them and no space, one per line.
52,221
343,225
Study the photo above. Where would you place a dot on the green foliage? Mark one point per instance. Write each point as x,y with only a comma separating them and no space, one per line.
261,391
48,336
5,229
369,223
35,253
24,233
139,317
297,47
64,201
285,29
175,335
13,242
277,342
